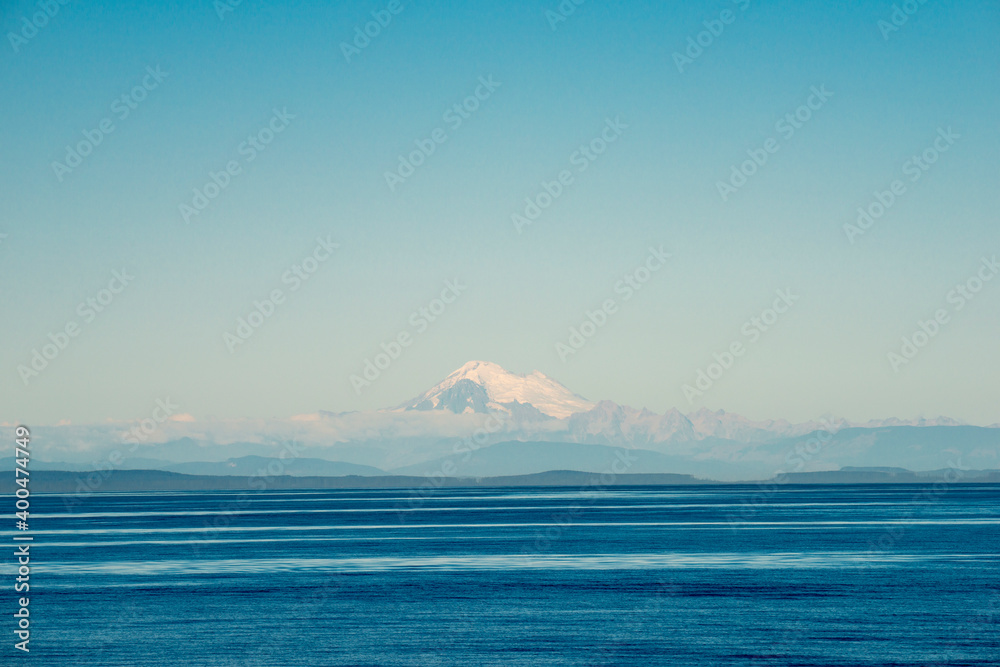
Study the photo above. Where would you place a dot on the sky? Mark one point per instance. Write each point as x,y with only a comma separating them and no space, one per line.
120,120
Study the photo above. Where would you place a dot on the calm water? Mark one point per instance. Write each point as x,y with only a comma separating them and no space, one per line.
875,575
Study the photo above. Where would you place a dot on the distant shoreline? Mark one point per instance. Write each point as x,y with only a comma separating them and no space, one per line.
86,483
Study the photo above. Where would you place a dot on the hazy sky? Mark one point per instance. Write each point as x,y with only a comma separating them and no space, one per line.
308,129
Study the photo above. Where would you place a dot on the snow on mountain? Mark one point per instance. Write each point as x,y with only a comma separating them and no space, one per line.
482,405
722,424
610,423
543,408
920,421
481,386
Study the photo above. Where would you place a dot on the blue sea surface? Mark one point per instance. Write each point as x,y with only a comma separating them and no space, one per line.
712,575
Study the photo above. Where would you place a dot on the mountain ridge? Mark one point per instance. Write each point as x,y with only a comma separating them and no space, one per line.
481,405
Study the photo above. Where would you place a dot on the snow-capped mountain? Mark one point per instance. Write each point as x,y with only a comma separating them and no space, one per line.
535,421
538,407
481,387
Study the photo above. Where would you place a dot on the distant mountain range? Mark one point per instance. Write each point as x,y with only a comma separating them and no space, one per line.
481,387
482,420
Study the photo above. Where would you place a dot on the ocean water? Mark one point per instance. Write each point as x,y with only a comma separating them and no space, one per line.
734,575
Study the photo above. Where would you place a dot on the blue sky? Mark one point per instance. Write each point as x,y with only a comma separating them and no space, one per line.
656,185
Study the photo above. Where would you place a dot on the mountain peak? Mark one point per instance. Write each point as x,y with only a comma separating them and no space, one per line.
475,369
482,386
